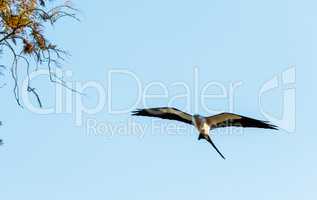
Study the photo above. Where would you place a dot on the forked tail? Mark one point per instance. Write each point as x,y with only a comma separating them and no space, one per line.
206,137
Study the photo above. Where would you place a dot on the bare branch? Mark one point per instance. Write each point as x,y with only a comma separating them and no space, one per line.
22,24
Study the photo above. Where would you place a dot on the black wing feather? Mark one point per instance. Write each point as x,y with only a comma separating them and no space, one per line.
164,113
249,122
230,119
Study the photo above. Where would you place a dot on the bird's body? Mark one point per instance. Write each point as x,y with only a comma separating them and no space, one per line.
201,124
203,128
205,124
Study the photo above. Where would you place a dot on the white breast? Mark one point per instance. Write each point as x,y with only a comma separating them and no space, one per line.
201,125
205,128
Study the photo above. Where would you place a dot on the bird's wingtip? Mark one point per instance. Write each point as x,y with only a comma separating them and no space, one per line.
272,126
269,125
136,112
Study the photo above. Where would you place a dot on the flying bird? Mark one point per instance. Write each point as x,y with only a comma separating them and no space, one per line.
205,124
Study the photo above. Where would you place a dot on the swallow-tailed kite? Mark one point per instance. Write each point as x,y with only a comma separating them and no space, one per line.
205,124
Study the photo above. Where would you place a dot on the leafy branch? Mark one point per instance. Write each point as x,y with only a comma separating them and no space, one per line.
22,35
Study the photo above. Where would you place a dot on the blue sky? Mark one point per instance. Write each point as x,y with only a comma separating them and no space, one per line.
49,157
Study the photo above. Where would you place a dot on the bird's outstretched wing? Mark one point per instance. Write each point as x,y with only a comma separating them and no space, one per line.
230,119
165,113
